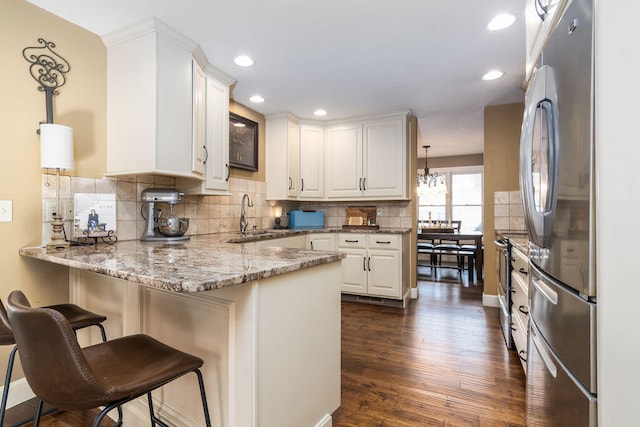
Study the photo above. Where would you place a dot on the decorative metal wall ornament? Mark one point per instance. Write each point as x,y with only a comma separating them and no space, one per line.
48,68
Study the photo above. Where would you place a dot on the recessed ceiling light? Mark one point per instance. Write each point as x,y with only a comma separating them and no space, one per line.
492,75
243,61
257,99
501,21
239,125
320,112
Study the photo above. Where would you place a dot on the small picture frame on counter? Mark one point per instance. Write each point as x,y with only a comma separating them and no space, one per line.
94,215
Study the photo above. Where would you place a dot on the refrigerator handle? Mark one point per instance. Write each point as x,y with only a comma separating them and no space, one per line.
541,102
544,289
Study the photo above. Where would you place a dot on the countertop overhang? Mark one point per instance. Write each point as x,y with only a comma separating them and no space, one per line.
519,239
203,263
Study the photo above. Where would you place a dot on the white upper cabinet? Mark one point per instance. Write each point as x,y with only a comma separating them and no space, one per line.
368,159
217,135
363,160
212,154
199,147
311,162
159,119
541,17
344,161
282,157
385,158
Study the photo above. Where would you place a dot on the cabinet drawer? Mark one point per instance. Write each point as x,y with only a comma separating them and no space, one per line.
384,241
520,334
520,299
352,240
520,264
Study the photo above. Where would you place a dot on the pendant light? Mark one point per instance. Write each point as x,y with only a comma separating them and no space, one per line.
430,182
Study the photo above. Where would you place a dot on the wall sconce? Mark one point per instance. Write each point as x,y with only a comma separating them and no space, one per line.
56,141
56,152
277,213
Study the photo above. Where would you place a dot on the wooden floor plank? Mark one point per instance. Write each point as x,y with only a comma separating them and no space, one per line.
441,361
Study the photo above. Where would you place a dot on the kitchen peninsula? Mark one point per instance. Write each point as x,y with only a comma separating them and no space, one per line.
266,321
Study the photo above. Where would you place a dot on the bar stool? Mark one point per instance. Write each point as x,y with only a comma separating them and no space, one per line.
107,375
78,318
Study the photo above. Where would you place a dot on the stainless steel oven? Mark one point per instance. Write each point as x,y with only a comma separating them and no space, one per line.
503,274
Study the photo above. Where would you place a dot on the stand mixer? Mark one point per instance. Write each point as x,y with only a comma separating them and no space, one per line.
157,228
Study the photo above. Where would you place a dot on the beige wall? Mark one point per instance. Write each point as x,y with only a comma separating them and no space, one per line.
501,168
452,161
81,105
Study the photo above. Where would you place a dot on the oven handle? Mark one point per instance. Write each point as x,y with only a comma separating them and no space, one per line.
500,244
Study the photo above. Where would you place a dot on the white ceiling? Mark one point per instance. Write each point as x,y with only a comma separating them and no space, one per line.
349,57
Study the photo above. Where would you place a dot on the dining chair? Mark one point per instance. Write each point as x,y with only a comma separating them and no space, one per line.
77,317
107,374
451,246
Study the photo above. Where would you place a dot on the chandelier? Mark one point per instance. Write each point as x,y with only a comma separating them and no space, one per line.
430,182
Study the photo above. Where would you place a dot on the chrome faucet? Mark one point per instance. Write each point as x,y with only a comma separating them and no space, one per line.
243,219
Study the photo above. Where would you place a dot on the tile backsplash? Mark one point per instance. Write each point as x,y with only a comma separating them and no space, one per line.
508,212
207,214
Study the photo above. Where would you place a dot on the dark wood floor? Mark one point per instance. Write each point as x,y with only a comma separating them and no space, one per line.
439,362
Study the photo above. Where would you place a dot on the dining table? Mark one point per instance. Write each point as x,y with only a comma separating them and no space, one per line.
475,236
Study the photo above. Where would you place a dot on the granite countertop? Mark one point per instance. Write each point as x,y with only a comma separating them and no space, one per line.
269,234
202,263
519,239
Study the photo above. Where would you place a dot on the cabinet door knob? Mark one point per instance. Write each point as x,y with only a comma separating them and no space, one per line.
290,183
523,271
228,171
523,310
206,155
364,184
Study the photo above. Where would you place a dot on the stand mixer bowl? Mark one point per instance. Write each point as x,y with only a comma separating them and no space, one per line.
174,226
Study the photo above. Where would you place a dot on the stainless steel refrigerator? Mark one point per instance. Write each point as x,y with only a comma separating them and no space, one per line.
558,191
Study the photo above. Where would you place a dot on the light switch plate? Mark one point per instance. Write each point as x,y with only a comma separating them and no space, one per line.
6,210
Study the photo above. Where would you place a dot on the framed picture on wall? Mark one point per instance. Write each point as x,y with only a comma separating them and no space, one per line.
243,143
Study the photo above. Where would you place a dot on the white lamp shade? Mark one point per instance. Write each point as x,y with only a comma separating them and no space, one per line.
56,146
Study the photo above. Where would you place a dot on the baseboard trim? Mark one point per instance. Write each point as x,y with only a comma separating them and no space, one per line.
414,293
490,300
326,421
19,392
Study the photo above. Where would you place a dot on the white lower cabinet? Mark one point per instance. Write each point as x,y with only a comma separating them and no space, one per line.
520,304
321,242
374,264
